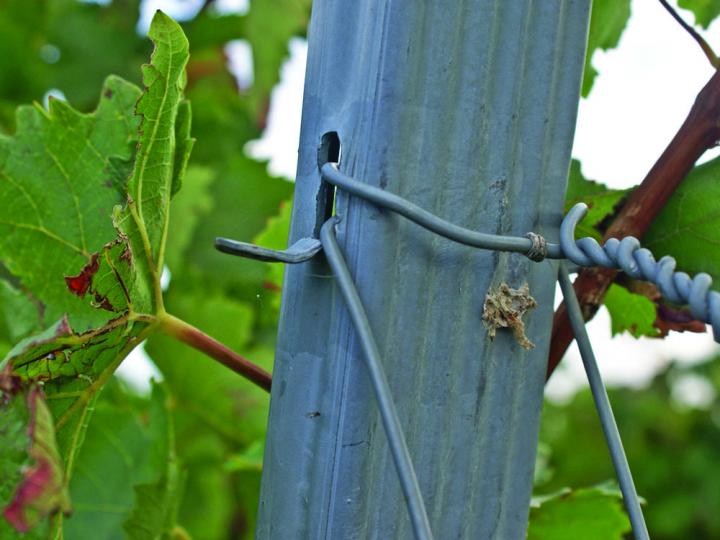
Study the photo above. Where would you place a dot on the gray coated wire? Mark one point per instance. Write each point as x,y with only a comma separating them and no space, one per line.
414,213
383,395
625,254
639,262
602,404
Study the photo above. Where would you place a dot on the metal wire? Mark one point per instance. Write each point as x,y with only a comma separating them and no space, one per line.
602,404
425,219
625,254
386,405
301,251
638,262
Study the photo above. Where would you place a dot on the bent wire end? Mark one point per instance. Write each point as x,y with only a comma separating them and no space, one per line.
301,251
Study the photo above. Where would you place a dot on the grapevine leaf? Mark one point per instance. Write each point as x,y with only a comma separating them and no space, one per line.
275,236
154,514
62,177
590,513
184,145
20,314
607,22
128,445
212,30
688,227
705,11
241,179
189,206
153,177
92,40
269,26
58,185
630,312
31,468
250,459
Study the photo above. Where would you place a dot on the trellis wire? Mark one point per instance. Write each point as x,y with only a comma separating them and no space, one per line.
625,254
639,262
386,405
602,404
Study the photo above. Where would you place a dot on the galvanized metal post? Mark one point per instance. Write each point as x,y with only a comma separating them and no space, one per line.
466,109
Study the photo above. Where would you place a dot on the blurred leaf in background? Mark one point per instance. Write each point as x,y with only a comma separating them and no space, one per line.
671,434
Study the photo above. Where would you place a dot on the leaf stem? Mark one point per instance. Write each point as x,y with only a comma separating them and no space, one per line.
188,334
706,48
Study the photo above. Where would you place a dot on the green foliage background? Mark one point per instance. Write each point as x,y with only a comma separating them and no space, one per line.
192,450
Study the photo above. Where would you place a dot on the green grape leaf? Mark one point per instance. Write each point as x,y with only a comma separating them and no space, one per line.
129,445
601,201
19,313
275,236
212,30
154,176
607,22
58,177
269,26
93,266
705,11
32,479
250,459
189,207
688,227
630,312
154,514
240,180
590,513
88,40
162,499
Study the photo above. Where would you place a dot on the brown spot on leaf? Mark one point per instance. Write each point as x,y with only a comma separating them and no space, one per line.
126,255
80,284
504,308
103,303
108,93
63,328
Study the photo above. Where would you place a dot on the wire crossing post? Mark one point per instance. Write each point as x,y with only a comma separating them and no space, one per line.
467,109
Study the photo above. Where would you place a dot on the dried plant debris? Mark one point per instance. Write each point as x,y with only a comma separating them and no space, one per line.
504,308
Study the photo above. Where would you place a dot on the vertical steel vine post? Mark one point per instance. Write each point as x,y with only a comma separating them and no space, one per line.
468,110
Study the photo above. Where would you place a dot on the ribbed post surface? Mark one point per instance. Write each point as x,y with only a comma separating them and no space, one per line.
468,110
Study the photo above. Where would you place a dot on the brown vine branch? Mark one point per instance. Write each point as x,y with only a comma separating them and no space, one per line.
699,132
704,45
197,339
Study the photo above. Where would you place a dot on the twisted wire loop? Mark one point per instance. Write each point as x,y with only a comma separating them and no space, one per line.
639,263
538,248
